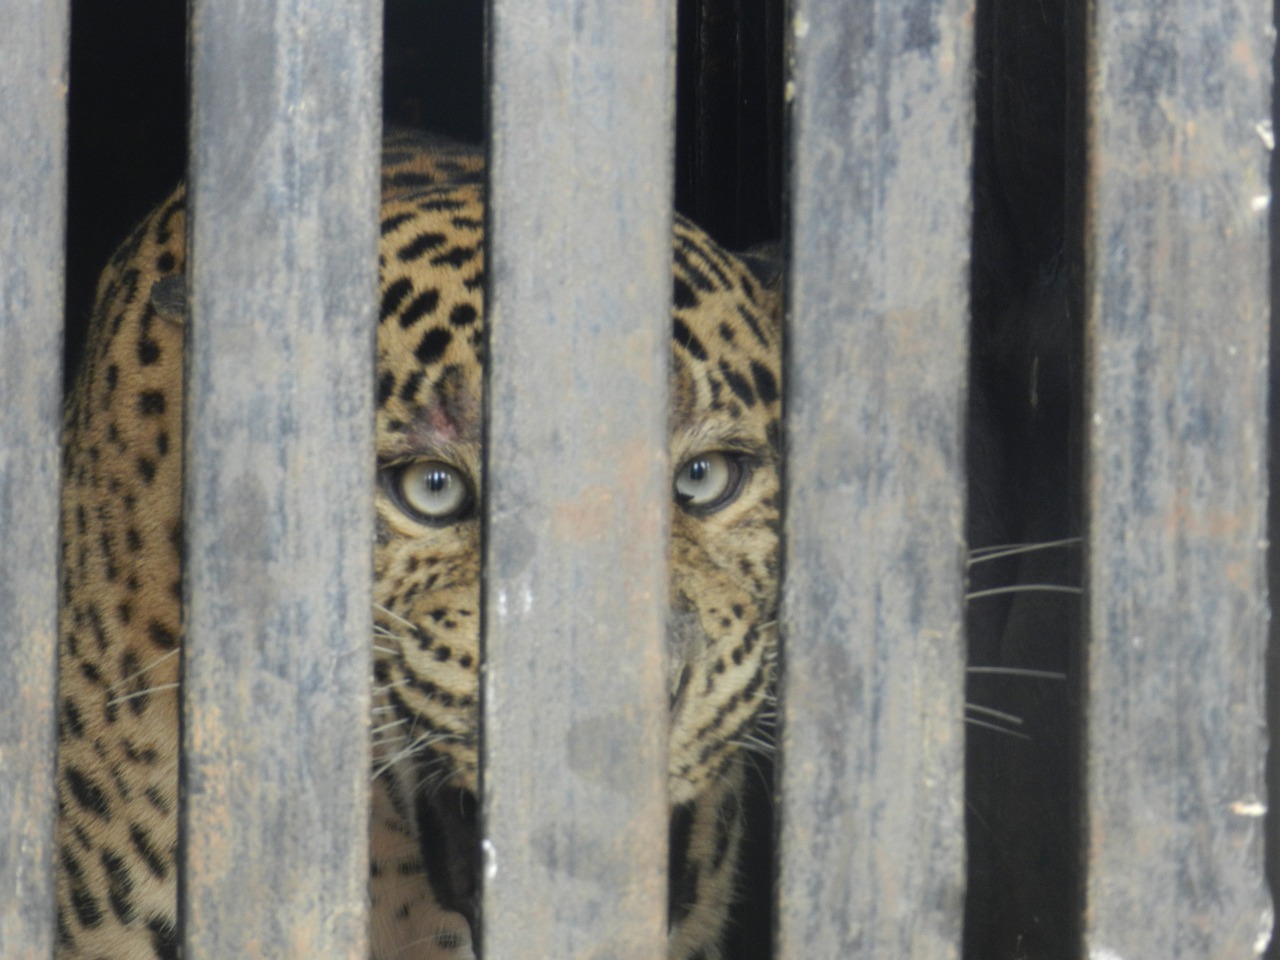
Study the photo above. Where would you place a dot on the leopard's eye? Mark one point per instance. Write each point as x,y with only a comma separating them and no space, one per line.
431,490
709,481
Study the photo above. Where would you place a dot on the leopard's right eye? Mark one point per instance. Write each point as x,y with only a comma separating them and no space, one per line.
431,491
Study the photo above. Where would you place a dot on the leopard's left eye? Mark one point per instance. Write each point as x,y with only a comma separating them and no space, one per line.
431,491
709,481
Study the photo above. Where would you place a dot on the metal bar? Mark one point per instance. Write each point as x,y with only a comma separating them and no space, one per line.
279,454
872,849
580,254
33,84
33,89
1177,105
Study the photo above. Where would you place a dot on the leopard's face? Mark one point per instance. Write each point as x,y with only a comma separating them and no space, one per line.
723,556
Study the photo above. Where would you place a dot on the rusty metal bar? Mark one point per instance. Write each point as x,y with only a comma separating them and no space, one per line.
282,274
33,89
872,849
1175,299
580,268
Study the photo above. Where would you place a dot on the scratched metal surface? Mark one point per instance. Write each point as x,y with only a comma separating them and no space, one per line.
33,89
872,848
1175,299
574,789
282,274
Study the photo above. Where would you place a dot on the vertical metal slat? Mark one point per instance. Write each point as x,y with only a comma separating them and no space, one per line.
580,268
33,89
872,851
283,194
1175,300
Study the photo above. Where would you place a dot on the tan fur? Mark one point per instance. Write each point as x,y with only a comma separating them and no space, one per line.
122,551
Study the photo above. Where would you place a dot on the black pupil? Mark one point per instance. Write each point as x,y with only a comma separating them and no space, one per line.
698,470
437,480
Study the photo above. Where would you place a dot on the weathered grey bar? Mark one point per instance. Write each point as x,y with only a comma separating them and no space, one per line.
872,849
279,457
580,276
33,90
1175,299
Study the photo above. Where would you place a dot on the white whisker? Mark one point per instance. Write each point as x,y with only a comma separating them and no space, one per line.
142,693
983,554
1017,672
998,714
973,722
1024,588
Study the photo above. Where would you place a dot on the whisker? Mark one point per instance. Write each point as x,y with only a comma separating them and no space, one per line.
998,714
983,554
150,666
393,615
1024,588
973,722
142,693
1017,672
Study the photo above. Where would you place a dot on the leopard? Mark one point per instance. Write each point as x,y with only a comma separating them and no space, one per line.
121,622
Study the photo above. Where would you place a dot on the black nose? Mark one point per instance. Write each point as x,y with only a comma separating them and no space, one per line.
448,834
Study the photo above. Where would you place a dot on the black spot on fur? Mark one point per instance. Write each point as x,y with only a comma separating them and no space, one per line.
88,793
393,296
151,403
72,721
164,939
753,325
411,384
738,384
423,304
419,245
433,345
142,844
148,351
161,636
682,873
166,218
157,800
410,178
120,886
766,383
391,223
683,296
682,335
462,315
88,910
457,257
386,387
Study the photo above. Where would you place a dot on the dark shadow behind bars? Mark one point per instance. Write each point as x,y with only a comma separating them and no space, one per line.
1170,197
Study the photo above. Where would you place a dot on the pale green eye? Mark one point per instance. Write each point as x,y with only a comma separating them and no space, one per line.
432,489
709,481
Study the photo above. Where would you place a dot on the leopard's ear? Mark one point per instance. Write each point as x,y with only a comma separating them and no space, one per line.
169,298
767,263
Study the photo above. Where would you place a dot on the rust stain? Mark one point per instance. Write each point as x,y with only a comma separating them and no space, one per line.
1245,57
1209,523
589,516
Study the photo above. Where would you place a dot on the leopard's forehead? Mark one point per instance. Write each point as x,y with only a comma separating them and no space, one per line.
431,340
431,321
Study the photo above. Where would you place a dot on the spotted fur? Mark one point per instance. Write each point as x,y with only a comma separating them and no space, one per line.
122,548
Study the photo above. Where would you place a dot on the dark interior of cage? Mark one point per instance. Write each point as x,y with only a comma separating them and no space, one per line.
128,146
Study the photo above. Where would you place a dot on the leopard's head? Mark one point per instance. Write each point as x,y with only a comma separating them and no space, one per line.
724,426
